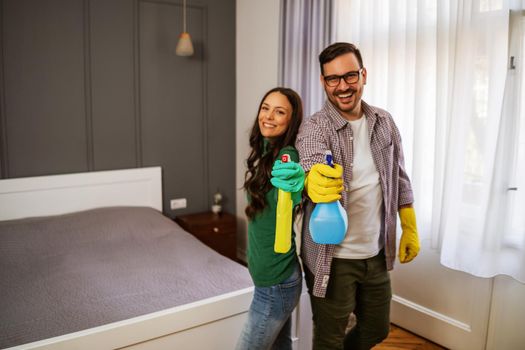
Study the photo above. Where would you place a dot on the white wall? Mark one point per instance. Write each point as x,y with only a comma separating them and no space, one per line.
507,315
257,72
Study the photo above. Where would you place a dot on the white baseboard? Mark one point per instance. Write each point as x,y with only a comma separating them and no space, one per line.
431,313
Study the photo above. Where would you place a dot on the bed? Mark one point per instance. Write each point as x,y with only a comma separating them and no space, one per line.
87,261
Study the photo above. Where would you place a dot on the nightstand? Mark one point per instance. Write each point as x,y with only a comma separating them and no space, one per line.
218,232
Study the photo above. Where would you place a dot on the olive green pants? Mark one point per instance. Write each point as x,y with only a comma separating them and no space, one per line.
358,286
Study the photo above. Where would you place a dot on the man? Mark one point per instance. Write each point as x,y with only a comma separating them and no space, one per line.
370,180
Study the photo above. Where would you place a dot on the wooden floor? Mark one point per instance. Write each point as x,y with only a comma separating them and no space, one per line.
400,339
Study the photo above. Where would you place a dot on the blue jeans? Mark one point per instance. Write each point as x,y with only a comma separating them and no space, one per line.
269,324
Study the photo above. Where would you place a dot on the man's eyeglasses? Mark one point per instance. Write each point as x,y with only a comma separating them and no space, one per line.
350,78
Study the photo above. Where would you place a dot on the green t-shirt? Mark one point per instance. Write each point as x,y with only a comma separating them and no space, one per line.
267,267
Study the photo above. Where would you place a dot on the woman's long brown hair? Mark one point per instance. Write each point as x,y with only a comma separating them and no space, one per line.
260,161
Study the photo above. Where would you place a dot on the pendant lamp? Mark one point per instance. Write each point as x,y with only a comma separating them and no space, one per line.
184,46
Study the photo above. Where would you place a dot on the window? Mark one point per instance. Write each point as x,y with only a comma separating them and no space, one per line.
442,68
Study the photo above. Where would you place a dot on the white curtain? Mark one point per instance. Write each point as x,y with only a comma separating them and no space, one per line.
442,69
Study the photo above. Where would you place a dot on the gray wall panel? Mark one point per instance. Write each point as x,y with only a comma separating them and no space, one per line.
221,115
3,132
44,87
112,81
172,102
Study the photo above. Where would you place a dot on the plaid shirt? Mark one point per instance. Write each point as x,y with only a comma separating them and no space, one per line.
328,130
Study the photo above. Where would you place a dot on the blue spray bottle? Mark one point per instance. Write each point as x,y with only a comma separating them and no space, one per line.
329,221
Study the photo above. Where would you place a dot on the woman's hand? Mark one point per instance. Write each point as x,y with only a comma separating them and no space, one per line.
288,176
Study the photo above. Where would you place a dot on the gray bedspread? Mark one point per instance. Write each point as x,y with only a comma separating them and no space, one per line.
71,272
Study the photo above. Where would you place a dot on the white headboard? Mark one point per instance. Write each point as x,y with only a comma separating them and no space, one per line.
60,194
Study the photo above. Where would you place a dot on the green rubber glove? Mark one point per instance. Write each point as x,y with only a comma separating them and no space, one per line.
409,243
288,177
324,184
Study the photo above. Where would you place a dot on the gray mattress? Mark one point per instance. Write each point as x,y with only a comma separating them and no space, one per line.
71,272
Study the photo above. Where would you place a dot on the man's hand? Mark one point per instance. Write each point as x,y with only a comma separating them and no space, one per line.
409,244
288,177
324,184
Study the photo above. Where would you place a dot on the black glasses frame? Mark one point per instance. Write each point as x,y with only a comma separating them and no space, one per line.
349,78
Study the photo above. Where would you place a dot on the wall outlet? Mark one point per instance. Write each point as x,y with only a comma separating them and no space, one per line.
179,203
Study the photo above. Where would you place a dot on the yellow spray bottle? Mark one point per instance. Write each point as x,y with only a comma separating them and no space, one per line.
283,224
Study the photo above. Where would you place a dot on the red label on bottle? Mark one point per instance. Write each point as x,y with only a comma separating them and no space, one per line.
285,158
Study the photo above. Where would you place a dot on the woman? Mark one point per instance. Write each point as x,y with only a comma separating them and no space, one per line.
277,277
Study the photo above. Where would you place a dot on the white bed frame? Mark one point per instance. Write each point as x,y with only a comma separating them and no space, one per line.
60,194
213,323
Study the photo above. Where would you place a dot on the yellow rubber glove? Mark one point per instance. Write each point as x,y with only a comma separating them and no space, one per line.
409,244
324,184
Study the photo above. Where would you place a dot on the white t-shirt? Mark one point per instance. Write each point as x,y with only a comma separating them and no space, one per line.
362,238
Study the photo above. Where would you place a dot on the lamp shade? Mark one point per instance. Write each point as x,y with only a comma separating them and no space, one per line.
184,46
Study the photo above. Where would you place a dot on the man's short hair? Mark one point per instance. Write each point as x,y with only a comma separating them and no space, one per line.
336,50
